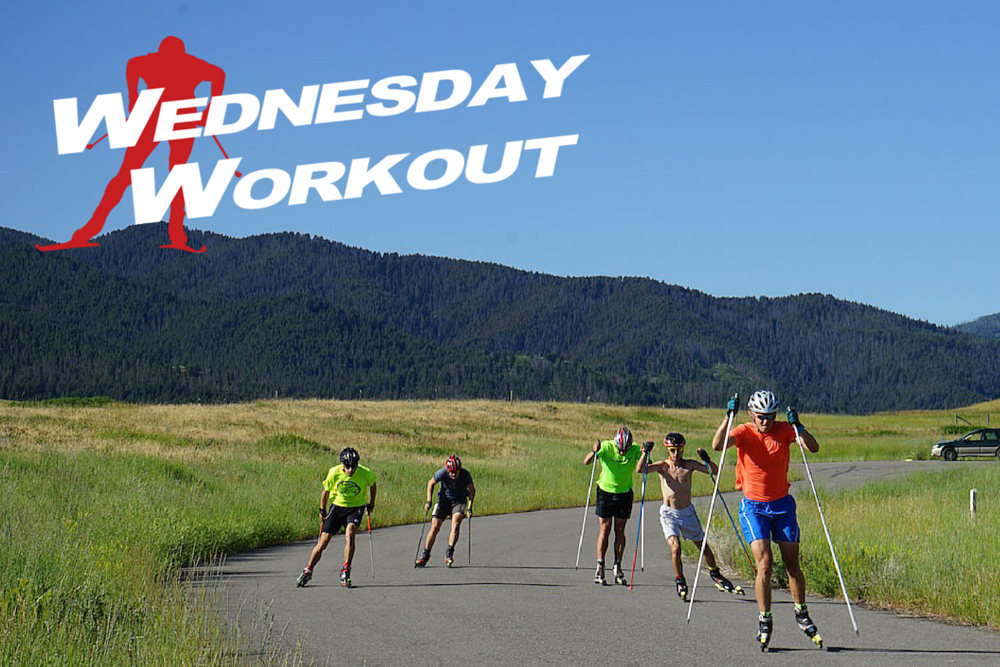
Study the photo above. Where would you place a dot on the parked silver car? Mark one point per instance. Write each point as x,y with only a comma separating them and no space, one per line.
982,442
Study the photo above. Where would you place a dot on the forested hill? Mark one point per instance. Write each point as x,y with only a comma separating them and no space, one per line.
987,325
306,317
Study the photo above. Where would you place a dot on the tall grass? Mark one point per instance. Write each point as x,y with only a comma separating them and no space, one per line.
103,504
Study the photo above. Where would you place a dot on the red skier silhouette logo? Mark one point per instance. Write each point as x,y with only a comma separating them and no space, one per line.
178,74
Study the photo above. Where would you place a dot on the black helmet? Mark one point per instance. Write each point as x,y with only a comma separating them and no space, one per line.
349,457
674,440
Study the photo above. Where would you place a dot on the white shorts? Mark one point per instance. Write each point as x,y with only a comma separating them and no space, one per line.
683,524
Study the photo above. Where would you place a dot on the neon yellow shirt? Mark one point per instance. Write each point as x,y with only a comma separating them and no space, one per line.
349,491
616,470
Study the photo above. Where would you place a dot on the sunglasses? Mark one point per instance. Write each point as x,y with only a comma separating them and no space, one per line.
674,449
764,417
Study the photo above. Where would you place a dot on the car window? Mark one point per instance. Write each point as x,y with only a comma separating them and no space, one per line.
992,435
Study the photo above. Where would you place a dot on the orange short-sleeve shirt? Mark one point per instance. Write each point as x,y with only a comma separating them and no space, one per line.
762,460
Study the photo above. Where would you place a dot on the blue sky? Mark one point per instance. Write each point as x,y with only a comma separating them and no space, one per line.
764,149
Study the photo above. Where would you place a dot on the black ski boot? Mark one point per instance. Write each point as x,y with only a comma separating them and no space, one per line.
682,588
764,631
304,578
807,626
620,575
345,576
449,555
424,557
599,575
724,584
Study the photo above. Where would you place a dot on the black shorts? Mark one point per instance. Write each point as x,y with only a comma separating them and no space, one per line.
617,505
338,517
444,508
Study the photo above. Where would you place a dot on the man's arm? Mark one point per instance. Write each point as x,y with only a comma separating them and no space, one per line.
592,453
132,76
471,488
216,76
371,503
691,464
808,440
430,493
720,435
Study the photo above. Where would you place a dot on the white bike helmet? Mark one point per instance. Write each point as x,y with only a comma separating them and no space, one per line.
763,402
623,439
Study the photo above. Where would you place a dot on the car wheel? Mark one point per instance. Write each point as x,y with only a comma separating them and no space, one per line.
950,454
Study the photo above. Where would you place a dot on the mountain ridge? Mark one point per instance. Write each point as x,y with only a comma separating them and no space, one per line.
418,326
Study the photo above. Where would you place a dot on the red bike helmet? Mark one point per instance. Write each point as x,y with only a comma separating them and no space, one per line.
453,465
623,439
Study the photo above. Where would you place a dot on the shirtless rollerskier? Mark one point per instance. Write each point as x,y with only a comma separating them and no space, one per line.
678,517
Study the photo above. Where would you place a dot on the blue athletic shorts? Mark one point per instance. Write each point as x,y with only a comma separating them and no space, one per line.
773,520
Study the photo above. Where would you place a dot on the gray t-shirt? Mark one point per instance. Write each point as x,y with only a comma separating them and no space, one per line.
453,490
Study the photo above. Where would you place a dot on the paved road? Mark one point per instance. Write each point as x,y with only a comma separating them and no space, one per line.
521,602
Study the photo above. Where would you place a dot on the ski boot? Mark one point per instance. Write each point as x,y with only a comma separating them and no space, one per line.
620,575
449,555
764,631
345,576
599,575
682,588
304,578
807,626
724,584
424,557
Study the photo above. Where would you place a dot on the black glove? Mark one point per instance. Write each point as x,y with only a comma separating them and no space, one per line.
647,446
322,513
704,455
733,405
793,418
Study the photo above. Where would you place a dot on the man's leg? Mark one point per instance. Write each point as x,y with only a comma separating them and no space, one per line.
796,580
602,537
180,151
761,550
317,552
674,543
619,538
436,524
456,524
349,543
135,157
709,556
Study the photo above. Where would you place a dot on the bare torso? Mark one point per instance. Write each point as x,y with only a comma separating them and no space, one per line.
675,482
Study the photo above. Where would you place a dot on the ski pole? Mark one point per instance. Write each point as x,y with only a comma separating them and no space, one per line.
470,536
590,488
226,155
642,500
371,549
423,524
711,508
843,587
704,457
89,146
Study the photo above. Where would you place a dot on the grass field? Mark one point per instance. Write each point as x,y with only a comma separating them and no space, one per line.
103,504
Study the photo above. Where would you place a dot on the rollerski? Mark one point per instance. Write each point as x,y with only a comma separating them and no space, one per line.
807,626
345,576
599,575
682,588
764,632
449,556
724,584
424,557
304,577
620,575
